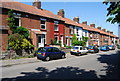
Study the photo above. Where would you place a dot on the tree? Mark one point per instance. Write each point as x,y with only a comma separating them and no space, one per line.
74,40
77,42
113,11
85,38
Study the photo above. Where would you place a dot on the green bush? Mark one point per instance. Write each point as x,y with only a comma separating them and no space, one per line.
15,41
68,47
26,44
22,31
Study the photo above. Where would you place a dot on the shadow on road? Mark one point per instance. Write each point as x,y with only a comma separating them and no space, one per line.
73,73
63,73
113,65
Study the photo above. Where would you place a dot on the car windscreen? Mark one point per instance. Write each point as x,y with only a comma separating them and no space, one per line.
75,48
42,49
103,47
110,46
90,47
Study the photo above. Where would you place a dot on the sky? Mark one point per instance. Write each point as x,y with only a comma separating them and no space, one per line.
92,12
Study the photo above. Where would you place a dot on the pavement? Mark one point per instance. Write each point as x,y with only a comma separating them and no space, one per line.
5,63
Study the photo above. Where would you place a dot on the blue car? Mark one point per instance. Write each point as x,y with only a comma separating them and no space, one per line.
118,47
104,48
47,53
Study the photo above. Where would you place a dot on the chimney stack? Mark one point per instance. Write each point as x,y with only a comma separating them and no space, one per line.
104,30
99,28
85,22
108,31
92,25
61,13
76,19
111,32
37,4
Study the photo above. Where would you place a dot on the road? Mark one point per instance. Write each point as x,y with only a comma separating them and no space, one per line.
103,65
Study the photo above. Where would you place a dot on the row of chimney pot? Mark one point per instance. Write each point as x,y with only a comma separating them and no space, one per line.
61,13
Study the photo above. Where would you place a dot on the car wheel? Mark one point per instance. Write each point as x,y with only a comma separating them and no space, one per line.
38,58
79,54
63,56
47,58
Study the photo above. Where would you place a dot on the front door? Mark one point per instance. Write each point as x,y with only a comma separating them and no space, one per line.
41,41
62,41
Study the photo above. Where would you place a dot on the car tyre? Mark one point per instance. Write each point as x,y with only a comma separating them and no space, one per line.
47,58
63,56
38,58
79,54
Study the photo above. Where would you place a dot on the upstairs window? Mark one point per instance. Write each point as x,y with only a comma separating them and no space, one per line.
96,35
77,32
17,19
71,29
43,23
56,25
90,34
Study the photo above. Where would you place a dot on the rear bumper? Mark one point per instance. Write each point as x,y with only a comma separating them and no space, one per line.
41,57
91,51
103,49
76,53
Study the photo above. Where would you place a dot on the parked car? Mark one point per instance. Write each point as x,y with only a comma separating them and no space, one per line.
111,47
118,46
104,48
47,53
78,50
93,49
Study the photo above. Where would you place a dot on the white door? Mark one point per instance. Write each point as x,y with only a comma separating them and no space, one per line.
62,41
41,41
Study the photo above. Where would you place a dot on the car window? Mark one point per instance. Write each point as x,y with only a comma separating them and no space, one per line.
80,48
42,49
75,48
49,50
84,48
90,47
56,50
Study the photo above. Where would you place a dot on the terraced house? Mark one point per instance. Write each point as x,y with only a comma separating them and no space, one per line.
45,26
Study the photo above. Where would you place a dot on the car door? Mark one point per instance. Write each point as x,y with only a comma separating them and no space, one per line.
56,52
50,52
81,50
84,50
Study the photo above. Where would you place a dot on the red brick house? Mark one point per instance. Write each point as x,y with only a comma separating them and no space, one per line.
43,25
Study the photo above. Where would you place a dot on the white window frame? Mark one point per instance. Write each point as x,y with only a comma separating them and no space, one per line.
43,19
67,41
18,15
56,24
71,29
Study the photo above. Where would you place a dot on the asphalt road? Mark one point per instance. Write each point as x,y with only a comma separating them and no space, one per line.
103,65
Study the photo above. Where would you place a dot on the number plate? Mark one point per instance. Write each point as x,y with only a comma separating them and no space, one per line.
39,53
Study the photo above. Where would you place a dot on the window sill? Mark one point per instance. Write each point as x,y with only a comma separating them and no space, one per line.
43,29
55,30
